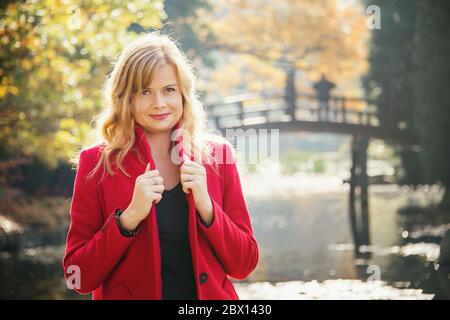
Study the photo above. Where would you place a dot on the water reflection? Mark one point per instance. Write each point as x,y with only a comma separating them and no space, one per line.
306,250
330,290
314,243
34,274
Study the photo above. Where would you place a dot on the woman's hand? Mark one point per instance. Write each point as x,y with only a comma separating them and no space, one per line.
193,177
148,189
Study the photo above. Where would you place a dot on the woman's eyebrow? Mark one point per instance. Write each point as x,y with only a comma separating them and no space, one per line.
169,85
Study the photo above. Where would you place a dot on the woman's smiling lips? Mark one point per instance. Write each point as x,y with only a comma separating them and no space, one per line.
159,116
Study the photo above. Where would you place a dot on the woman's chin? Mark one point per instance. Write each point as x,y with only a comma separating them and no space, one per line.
160,126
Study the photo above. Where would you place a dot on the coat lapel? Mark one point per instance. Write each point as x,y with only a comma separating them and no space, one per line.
145,150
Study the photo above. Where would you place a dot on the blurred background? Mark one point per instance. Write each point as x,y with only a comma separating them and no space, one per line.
355,205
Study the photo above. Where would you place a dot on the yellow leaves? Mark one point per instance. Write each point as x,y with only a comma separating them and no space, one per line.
3,91
7,86
12,8
26,65
4,40
13,90
64,138
67,124
60,50
316,36
42,73
246,73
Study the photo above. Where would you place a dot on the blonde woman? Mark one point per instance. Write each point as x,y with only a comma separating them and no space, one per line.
157,209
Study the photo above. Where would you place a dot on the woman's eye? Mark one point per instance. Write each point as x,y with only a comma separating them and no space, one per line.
146,92
170,89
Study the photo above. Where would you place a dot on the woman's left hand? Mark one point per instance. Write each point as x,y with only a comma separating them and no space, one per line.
193,177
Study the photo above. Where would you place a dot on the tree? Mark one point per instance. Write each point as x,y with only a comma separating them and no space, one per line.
431,87
389,80
53,60
313,37
409,83
180,20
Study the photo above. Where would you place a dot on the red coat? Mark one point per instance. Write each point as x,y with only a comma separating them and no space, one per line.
115,267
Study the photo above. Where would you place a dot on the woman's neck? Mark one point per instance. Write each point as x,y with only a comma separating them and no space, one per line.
159,143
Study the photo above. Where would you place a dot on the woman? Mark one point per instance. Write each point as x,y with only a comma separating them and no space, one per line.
157,210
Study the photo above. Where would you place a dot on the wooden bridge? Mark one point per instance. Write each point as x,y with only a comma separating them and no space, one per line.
340,115
350,116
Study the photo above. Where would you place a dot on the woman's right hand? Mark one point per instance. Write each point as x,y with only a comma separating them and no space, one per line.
148,189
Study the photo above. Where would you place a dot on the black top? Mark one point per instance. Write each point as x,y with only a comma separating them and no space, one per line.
172,211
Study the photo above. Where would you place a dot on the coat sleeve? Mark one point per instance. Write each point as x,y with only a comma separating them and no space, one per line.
93,246
230,233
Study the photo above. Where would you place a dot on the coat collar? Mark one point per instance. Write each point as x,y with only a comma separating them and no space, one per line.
145,149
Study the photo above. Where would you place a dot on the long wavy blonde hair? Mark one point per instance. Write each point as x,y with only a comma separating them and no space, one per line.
132,73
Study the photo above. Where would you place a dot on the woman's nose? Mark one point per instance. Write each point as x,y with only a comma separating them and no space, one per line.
159,101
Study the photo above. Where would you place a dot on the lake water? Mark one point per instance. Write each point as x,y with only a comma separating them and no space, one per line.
301,224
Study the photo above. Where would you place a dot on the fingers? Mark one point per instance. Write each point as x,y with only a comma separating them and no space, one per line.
157,197
155,191
190,163
152,181
186,177
158,188
155,180
187,186
151,173
192,169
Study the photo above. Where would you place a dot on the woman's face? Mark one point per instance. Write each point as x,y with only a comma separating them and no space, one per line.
159,107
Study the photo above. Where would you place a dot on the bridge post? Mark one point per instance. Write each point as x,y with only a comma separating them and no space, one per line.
344,110
217,122
359,215
365,234
241,112
266,115
360,117
352,195
291,95
335,109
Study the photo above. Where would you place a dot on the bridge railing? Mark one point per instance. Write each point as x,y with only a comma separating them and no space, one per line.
252,109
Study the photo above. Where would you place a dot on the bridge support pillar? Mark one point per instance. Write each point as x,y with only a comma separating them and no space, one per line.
358,201
291,95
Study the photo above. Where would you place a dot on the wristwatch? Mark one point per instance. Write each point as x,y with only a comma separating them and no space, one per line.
124,232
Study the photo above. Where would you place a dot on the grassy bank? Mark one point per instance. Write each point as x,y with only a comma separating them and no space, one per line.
26,220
